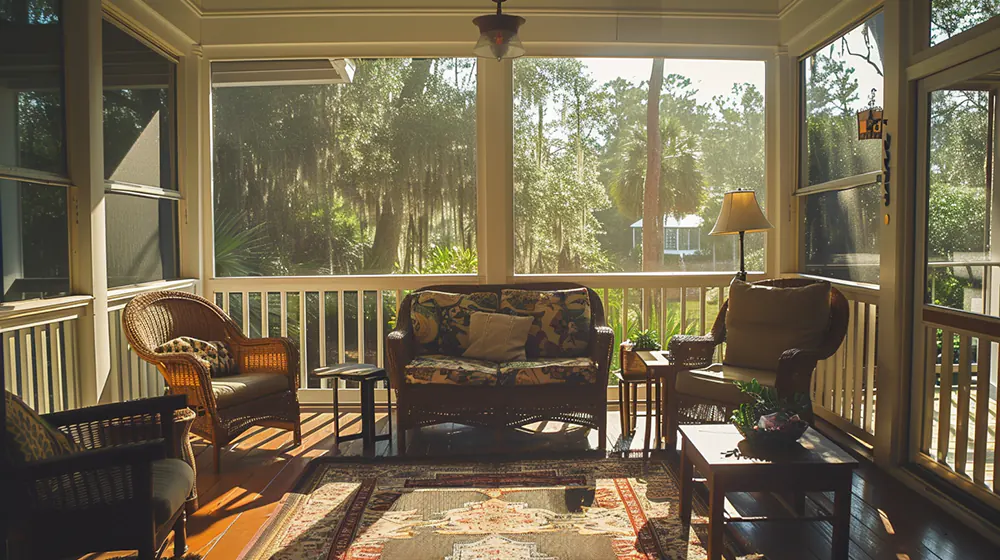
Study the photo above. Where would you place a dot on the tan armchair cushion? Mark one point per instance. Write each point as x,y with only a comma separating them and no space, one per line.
764,321
238,389
715,383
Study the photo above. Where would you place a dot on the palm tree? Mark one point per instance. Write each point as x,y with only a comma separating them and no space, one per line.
652,237
681,185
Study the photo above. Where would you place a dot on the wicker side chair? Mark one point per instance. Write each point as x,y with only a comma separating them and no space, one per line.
794,373
124,490
263,392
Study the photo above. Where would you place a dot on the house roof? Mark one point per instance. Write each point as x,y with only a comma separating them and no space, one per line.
689,221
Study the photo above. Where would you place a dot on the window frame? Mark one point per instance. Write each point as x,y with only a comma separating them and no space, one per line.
17,174
802,190
173,195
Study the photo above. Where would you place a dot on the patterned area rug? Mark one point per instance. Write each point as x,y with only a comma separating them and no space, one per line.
527,510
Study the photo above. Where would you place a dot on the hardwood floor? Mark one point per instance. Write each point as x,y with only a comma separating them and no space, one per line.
889,521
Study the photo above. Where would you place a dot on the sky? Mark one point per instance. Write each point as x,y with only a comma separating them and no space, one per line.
710,77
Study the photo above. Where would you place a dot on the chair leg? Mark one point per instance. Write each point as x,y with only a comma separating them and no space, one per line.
217,456
602,434
180,536
627,424
297,433
635,407
659,411
621,408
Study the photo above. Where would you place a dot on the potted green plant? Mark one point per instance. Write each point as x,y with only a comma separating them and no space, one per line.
768,420
645,339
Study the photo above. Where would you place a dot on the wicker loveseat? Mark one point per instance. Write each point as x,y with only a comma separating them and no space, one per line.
435,388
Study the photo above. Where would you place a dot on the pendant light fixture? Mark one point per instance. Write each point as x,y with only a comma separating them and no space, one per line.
498,35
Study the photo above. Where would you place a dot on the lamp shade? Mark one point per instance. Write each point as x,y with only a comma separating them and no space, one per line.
740,212
498,35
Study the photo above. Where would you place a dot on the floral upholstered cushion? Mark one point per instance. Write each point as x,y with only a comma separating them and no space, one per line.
544,371
562,320
440,320
30,438
438,369
214,355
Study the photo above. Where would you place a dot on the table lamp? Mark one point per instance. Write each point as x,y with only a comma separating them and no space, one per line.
740,213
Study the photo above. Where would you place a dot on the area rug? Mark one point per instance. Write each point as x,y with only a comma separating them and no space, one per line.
528,510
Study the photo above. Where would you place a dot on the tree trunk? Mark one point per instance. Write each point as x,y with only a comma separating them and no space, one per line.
652,218
385,247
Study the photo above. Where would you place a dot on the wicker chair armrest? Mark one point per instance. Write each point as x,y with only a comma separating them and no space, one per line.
269,355
116,411
692,351
795,368
118,424
399,344
603,341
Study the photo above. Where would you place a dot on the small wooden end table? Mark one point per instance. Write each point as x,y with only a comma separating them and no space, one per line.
367,375
722,456
660,374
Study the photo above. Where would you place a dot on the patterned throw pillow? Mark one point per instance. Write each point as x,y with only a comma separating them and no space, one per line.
440,320
214,355
28,437
562,320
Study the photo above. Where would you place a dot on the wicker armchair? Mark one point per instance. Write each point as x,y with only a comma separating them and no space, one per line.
226,406
794,373
125,491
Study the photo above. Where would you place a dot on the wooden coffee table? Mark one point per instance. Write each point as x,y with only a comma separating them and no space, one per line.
719,453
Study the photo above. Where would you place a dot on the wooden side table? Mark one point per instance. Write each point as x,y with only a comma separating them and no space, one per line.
367,375
660,373
722,456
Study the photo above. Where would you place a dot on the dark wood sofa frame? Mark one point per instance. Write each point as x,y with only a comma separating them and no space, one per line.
500,407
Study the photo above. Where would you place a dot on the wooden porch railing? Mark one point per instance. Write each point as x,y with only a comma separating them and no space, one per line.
345,319
39,362
334,331
844,385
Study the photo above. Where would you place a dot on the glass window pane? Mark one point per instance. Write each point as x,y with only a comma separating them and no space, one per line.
35,241
838,81
31,86
142,239
580,162
361,166
138,112
951,17
959,261
841,232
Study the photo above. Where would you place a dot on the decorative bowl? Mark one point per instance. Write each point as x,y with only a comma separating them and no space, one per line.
783,437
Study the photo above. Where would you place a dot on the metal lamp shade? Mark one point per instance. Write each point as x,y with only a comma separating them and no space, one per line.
498,36
740,212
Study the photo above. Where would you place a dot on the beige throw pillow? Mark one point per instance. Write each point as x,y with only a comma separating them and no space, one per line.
498,337
764,321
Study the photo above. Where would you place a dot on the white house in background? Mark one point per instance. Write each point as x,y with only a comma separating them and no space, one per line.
681,236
